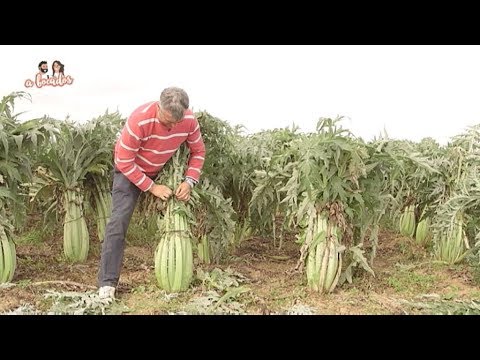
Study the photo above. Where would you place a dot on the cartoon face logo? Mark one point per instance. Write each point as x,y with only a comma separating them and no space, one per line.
58,68
57,79
43,67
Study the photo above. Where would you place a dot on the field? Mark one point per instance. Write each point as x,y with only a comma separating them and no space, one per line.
282,222
405,283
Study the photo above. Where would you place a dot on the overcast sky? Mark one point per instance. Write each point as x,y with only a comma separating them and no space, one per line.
411,91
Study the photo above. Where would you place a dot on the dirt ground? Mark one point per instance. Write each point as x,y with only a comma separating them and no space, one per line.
406,281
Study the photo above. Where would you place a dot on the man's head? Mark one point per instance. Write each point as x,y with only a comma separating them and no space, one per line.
43,67
173,103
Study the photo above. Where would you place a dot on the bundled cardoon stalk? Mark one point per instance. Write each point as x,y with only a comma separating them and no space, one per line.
407,221
8,258
451,246
324,259
174,255
102,198
75,232
422,234
204,250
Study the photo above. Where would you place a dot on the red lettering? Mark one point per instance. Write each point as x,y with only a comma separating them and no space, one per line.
52,81
38,80
62,81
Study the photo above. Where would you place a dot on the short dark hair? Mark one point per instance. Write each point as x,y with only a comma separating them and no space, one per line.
41,63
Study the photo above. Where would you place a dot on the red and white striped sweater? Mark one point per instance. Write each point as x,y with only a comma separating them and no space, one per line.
145,145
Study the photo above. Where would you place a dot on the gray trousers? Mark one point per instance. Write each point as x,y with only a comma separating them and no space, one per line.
124,199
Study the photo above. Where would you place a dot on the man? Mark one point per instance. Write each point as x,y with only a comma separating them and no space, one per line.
148,140
42,70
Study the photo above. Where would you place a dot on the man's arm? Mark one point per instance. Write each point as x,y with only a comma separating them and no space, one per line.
129,144
197,153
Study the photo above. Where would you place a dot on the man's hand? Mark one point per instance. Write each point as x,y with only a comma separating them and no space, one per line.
161,191
183,191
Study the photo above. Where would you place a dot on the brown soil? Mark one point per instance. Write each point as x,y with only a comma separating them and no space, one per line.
403,271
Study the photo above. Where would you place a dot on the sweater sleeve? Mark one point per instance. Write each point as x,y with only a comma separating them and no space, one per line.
129,143
197,152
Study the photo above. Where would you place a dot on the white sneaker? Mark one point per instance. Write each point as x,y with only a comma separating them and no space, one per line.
106,292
